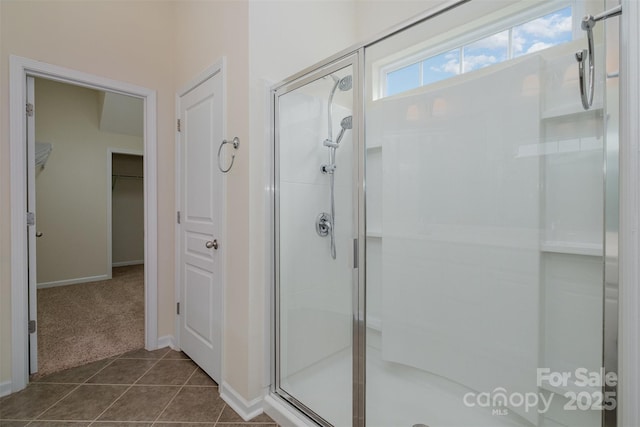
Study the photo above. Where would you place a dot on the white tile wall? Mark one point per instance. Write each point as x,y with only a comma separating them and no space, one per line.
316,290
460,243
470,198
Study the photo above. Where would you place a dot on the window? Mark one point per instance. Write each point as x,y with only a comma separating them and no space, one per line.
542,33
404,79
532,36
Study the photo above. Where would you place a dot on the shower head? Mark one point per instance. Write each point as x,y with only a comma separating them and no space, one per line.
345,124
345,83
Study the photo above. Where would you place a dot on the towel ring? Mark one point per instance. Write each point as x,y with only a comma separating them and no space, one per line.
236,143
587,82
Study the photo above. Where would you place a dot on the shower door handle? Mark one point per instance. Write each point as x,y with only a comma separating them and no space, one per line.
212,244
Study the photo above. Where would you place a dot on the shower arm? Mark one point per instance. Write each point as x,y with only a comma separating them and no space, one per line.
330,109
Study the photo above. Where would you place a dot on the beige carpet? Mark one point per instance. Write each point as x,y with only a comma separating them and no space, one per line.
90,321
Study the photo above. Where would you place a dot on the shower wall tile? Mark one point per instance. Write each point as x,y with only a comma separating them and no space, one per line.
315,289
572,338
460,230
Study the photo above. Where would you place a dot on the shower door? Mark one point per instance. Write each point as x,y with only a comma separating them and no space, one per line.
486,236
315,216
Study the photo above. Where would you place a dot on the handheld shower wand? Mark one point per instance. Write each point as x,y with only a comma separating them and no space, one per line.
345,124
327,221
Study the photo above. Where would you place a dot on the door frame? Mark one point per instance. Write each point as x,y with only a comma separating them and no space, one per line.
110,152
219,66
355,59
19,69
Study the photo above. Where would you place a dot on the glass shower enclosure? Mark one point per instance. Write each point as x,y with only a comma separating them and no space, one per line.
316,216
445,230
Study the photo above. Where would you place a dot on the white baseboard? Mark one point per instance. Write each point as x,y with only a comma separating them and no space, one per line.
127,263
73,281
247,410
5,388
283,415
167,341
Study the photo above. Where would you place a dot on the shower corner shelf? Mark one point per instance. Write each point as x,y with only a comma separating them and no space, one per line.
569,110
571,248
374,234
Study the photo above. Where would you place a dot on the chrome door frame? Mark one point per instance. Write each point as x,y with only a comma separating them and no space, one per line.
353,59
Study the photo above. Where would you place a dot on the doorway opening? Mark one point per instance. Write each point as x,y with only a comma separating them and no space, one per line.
24,334
89,216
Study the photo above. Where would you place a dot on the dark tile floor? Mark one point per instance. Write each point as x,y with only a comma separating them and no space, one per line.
162,388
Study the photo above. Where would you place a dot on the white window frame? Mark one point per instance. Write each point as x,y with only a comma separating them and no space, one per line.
505,23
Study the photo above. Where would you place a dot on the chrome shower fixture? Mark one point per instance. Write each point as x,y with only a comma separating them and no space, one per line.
345,124
344,84
328,168
325,223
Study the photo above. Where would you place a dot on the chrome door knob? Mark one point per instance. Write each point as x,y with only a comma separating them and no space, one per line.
212,244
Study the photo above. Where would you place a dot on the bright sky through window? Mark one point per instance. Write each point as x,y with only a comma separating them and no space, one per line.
541,33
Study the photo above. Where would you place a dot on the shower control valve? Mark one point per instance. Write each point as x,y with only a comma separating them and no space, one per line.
328,168
323,224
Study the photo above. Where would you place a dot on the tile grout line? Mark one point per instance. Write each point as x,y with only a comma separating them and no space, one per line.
192,374
174,396
123,393
73,389
96,421
56,402
65,395
220,414
100,370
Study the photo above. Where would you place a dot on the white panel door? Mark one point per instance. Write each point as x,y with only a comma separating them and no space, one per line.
201,116
31,229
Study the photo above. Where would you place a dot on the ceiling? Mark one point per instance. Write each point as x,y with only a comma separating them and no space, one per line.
121,114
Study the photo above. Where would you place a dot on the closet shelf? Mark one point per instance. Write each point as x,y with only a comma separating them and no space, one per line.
115,177
572,248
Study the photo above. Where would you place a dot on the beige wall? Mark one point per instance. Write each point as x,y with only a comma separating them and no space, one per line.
71,191
298,34
163,46
127,41
375,16
251,35
127,209
206,31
